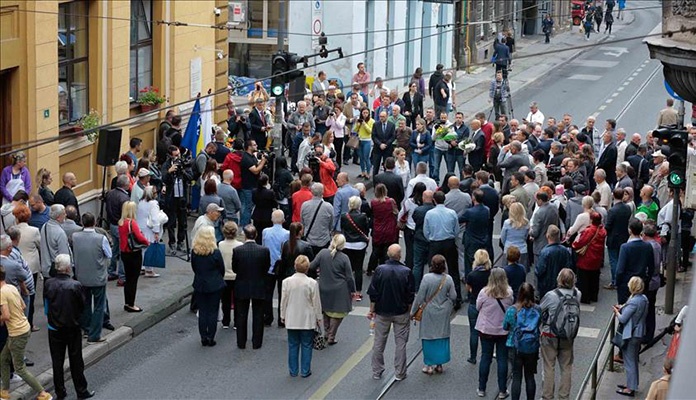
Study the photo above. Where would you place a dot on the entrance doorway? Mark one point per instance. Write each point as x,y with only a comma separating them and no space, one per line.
5,113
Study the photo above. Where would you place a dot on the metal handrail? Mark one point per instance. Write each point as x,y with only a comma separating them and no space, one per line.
594,374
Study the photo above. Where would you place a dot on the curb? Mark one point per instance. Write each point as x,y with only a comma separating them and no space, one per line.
91,354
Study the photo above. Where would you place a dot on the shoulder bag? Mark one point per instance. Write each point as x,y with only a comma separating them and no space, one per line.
418,315
132,241
353,141
618,339
350,219
314,218
319,340
581,251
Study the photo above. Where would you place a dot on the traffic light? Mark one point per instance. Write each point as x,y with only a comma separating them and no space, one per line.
292,59
678,142
279,66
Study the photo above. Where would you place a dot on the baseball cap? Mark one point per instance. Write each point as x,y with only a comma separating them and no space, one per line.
213,207
143,172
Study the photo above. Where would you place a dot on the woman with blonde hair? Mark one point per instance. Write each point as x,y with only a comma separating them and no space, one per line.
336,285
631,318
492,162
227,246
356,228
208,282
402,168
300,311
582,221
492,303
132,258
516,231
476,280
44,180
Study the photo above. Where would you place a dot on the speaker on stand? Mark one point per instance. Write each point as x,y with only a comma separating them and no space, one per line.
108,148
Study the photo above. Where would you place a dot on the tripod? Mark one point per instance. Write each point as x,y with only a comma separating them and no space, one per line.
101,221
185,257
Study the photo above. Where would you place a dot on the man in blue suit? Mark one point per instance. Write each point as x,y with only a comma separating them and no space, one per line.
477,234
635,259
383,136
617,232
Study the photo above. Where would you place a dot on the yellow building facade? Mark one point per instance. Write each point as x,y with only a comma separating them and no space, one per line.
61,59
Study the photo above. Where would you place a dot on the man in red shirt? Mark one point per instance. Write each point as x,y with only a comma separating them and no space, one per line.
487,128
301,196
362,77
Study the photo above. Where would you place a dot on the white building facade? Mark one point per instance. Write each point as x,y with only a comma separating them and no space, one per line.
402,33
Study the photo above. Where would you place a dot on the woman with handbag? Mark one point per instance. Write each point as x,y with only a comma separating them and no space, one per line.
209,270
582,221
150,220
132,241
291,249
300,311
336,285
406,221
631,318
384,229
492,303
476,280
356,228
589,248
433,307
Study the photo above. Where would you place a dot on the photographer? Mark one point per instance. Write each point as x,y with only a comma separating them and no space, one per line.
251,168
239,126
176,175
323,169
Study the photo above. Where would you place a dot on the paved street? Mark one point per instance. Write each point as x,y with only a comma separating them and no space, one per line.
607,81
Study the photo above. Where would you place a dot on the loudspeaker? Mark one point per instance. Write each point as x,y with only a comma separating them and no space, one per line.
109,146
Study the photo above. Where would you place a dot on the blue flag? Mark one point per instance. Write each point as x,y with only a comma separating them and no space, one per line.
193,129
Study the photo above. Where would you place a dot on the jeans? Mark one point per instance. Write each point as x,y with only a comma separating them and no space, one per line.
208,307
357,258
420,259
500,107
408,240
487,345
59,341
401,331
92,318
116,254
613,260
454,156
13,354
300,339
473,313
364,154
338,145
247,207
132,263
437,158
527,364
420,158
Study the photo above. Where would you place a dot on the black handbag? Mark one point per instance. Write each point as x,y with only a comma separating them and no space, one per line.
319,341
132,241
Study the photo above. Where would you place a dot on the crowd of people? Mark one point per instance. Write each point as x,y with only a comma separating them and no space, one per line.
571,199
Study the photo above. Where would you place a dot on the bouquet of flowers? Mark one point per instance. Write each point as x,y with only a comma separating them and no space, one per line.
467,146
446,133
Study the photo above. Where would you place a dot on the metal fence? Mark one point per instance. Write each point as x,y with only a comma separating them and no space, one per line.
603,355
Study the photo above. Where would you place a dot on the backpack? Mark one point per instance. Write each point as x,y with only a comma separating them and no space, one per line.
566,320
194,168
526,333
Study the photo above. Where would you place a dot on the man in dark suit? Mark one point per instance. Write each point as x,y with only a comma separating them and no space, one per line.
420,243
607,157
490,200
259,126
478,155
250,262
393,182
383,135
635,259
617,231
477,234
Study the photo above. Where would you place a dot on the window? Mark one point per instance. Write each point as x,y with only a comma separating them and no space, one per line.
72,61
140,47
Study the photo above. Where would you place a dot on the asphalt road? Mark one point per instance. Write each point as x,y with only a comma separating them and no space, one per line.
609,81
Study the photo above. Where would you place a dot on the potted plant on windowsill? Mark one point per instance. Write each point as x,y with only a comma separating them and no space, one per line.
150,98
89,121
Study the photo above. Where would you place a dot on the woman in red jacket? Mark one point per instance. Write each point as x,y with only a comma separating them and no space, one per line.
132,258
384,229
591,244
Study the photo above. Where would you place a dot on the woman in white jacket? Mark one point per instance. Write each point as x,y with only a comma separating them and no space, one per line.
300,310
151,220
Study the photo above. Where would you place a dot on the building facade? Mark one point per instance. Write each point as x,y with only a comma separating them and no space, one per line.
391,37
98,55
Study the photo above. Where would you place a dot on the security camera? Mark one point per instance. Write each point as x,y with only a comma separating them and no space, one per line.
217,11
220,56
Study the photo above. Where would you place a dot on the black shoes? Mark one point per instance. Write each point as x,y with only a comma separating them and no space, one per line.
457,305
86,395
208,342
108,326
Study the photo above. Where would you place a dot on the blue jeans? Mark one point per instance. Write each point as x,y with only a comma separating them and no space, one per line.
300,339
473,313
364,153
454,157
420,158
247,207
613,260
487,346
116,255
92,318
438,155
420,258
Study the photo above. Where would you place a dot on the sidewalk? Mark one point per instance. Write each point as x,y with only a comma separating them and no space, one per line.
158,297
650,365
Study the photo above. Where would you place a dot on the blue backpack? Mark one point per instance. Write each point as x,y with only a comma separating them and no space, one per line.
526,335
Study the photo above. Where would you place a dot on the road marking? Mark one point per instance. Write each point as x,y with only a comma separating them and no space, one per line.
609,101
634,74
626,83
638,92
620,88
602,107
614,94
614,51
595,114
595,63
582,77
345,369
591,333
639,69
630,78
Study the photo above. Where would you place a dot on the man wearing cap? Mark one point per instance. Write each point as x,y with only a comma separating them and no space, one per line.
212,214
140,185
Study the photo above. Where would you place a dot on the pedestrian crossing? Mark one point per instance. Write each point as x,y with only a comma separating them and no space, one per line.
595,63
585,77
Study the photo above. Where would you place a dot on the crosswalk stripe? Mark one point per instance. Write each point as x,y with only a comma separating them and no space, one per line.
595,63
583,77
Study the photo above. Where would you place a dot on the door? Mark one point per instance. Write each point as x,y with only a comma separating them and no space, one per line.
5,113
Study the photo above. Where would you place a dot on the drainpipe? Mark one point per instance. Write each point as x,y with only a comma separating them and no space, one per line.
466,38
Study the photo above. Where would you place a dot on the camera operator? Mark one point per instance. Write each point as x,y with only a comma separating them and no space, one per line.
239,125
176,175
252,164
323,169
